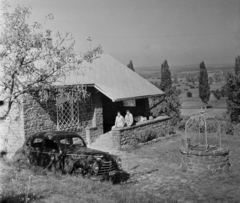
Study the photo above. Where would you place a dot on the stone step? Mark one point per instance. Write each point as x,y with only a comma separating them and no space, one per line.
103,140
101,146
104,143
104,149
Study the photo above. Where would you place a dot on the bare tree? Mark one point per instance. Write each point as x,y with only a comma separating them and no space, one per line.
31,59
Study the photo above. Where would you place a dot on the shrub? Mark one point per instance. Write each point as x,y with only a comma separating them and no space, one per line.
169,105
229,128
236,129
181,124
189,94
147,135
218,96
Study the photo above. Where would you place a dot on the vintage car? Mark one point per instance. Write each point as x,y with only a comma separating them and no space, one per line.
67,152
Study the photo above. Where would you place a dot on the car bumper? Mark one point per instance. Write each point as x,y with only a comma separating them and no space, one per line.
105,176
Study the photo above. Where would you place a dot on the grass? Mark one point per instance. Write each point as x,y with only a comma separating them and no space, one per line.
157,163
166,158
31,186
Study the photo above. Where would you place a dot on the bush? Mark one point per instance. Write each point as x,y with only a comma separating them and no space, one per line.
147,135
189,94
236,129
169,105
182,122
229,128
218,96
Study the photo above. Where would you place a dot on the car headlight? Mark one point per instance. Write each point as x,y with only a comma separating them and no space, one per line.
119,162
95,167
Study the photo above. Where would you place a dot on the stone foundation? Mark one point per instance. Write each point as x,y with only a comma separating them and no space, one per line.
205,161
131,135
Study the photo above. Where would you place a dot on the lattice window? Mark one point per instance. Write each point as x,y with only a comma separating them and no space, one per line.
68,116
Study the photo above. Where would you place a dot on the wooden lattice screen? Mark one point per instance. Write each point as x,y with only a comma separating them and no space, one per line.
68,116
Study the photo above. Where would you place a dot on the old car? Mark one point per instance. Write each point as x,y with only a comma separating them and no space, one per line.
67,152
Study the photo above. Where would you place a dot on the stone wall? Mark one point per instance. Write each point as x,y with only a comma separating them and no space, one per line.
205,161
131,135
39,116
94,130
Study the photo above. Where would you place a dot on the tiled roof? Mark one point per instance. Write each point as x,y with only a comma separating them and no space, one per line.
113,79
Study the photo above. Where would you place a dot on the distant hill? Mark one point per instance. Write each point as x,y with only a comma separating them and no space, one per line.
184,68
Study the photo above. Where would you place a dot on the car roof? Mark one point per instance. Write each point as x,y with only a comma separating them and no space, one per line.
55,134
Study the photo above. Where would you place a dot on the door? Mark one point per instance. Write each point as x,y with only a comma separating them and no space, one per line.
35,151
50,156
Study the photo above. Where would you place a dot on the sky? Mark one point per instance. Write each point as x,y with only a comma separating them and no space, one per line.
148,32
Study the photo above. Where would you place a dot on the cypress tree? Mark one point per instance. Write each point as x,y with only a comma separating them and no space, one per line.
237,66
169,104
130,66
204,87
166,80
233,93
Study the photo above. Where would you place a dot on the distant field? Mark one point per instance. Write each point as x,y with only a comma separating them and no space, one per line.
219,113
191,105
186,68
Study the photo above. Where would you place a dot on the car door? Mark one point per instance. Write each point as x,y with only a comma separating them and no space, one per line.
50,153
35,151
67,162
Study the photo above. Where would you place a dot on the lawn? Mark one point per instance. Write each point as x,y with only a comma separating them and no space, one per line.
46,187
156,177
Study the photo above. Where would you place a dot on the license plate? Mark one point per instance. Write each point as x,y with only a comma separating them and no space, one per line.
111,173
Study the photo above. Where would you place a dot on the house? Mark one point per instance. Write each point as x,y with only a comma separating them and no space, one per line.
112,86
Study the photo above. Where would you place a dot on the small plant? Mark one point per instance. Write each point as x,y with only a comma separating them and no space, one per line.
147,135
189,94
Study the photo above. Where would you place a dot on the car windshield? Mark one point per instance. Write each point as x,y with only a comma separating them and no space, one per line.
72,142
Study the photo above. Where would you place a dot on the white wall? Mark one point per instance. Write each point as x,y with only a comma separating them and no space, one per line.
12,131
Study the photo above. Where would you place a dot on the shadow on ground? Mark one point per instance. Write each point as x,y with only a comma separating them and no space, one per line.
121,177
21,198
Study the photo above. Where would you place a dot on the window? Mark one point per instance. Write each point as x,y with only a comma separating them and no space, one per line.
50,144
37,142
68,115
72,142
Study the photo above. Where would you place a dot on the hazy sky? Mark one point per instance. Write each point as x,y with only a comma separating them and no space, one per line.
149,31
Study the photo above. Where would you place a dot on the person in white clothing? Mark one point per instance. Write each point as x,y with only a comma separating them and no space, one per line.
129,119
119,121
